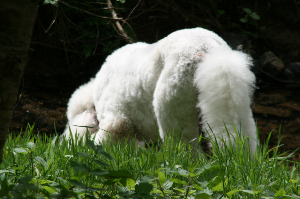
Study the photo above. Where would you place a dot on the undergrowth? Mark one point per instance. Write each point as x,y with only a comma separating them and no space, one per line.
38,166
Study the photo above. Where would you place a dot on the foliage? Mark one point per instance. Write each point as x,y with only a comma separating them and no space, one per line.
219,16
52,2
249,15
85,26
37,166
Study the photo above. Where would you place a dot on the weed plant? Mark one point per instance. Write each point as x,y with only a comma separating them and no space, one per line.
38,166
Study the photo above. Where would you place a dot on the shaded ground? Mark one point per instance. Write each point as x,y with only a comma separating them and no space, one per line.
276,108
42,108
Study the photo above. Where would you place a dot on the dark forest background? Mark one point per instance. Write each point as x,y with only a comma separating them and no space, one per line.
71,39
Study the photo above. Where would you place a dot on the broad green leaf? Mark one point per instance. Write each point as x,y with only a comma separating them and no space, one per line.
93,189
247,10
244,20
81,167
168,184
99,172
130,183
20,150
31,145
46,181
180,190
259,188
255,16
106,155
49,189
65,193
101,163
112,181
77,183
25,184
294,181
25,180
197,187
161,178
84,155
143,188
221,12
41,160
119,174
99,150
91,144
219,187
248,191
203,196
280,193
18,168
27,187
147,179
183,172
199,171
123,190
271,183
5,188
232,192
193,174
211,173
5,171
179,181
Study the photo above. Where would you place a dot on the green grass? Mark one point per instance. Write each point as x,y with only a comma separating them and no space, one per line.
37,166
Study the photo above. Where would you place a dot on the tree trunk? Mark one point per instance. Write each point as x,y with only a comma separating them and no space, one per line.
17,21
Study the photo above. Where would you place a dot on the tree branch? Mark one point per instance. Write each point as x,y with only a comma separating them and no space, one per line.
117,22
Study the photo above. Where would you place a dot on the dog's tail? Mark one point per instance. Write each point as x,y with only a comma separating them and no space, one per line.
81,112
226,85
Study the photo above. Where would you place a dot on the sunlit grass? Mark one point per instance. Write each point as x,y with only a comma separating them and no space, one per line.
37,166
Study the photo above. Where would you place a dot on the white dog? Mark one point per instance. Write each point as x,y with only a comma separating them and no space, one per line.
149,91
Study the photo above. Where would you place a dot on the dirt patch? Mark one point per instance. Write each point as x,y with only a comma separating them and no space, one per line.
277,110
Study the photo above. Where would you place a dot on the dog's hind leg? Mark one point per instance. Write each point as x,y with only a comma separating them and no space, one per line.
174,103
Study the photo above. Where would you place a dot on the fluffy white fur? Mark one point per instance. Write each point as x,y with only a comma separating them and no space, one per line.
143,89
81,112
